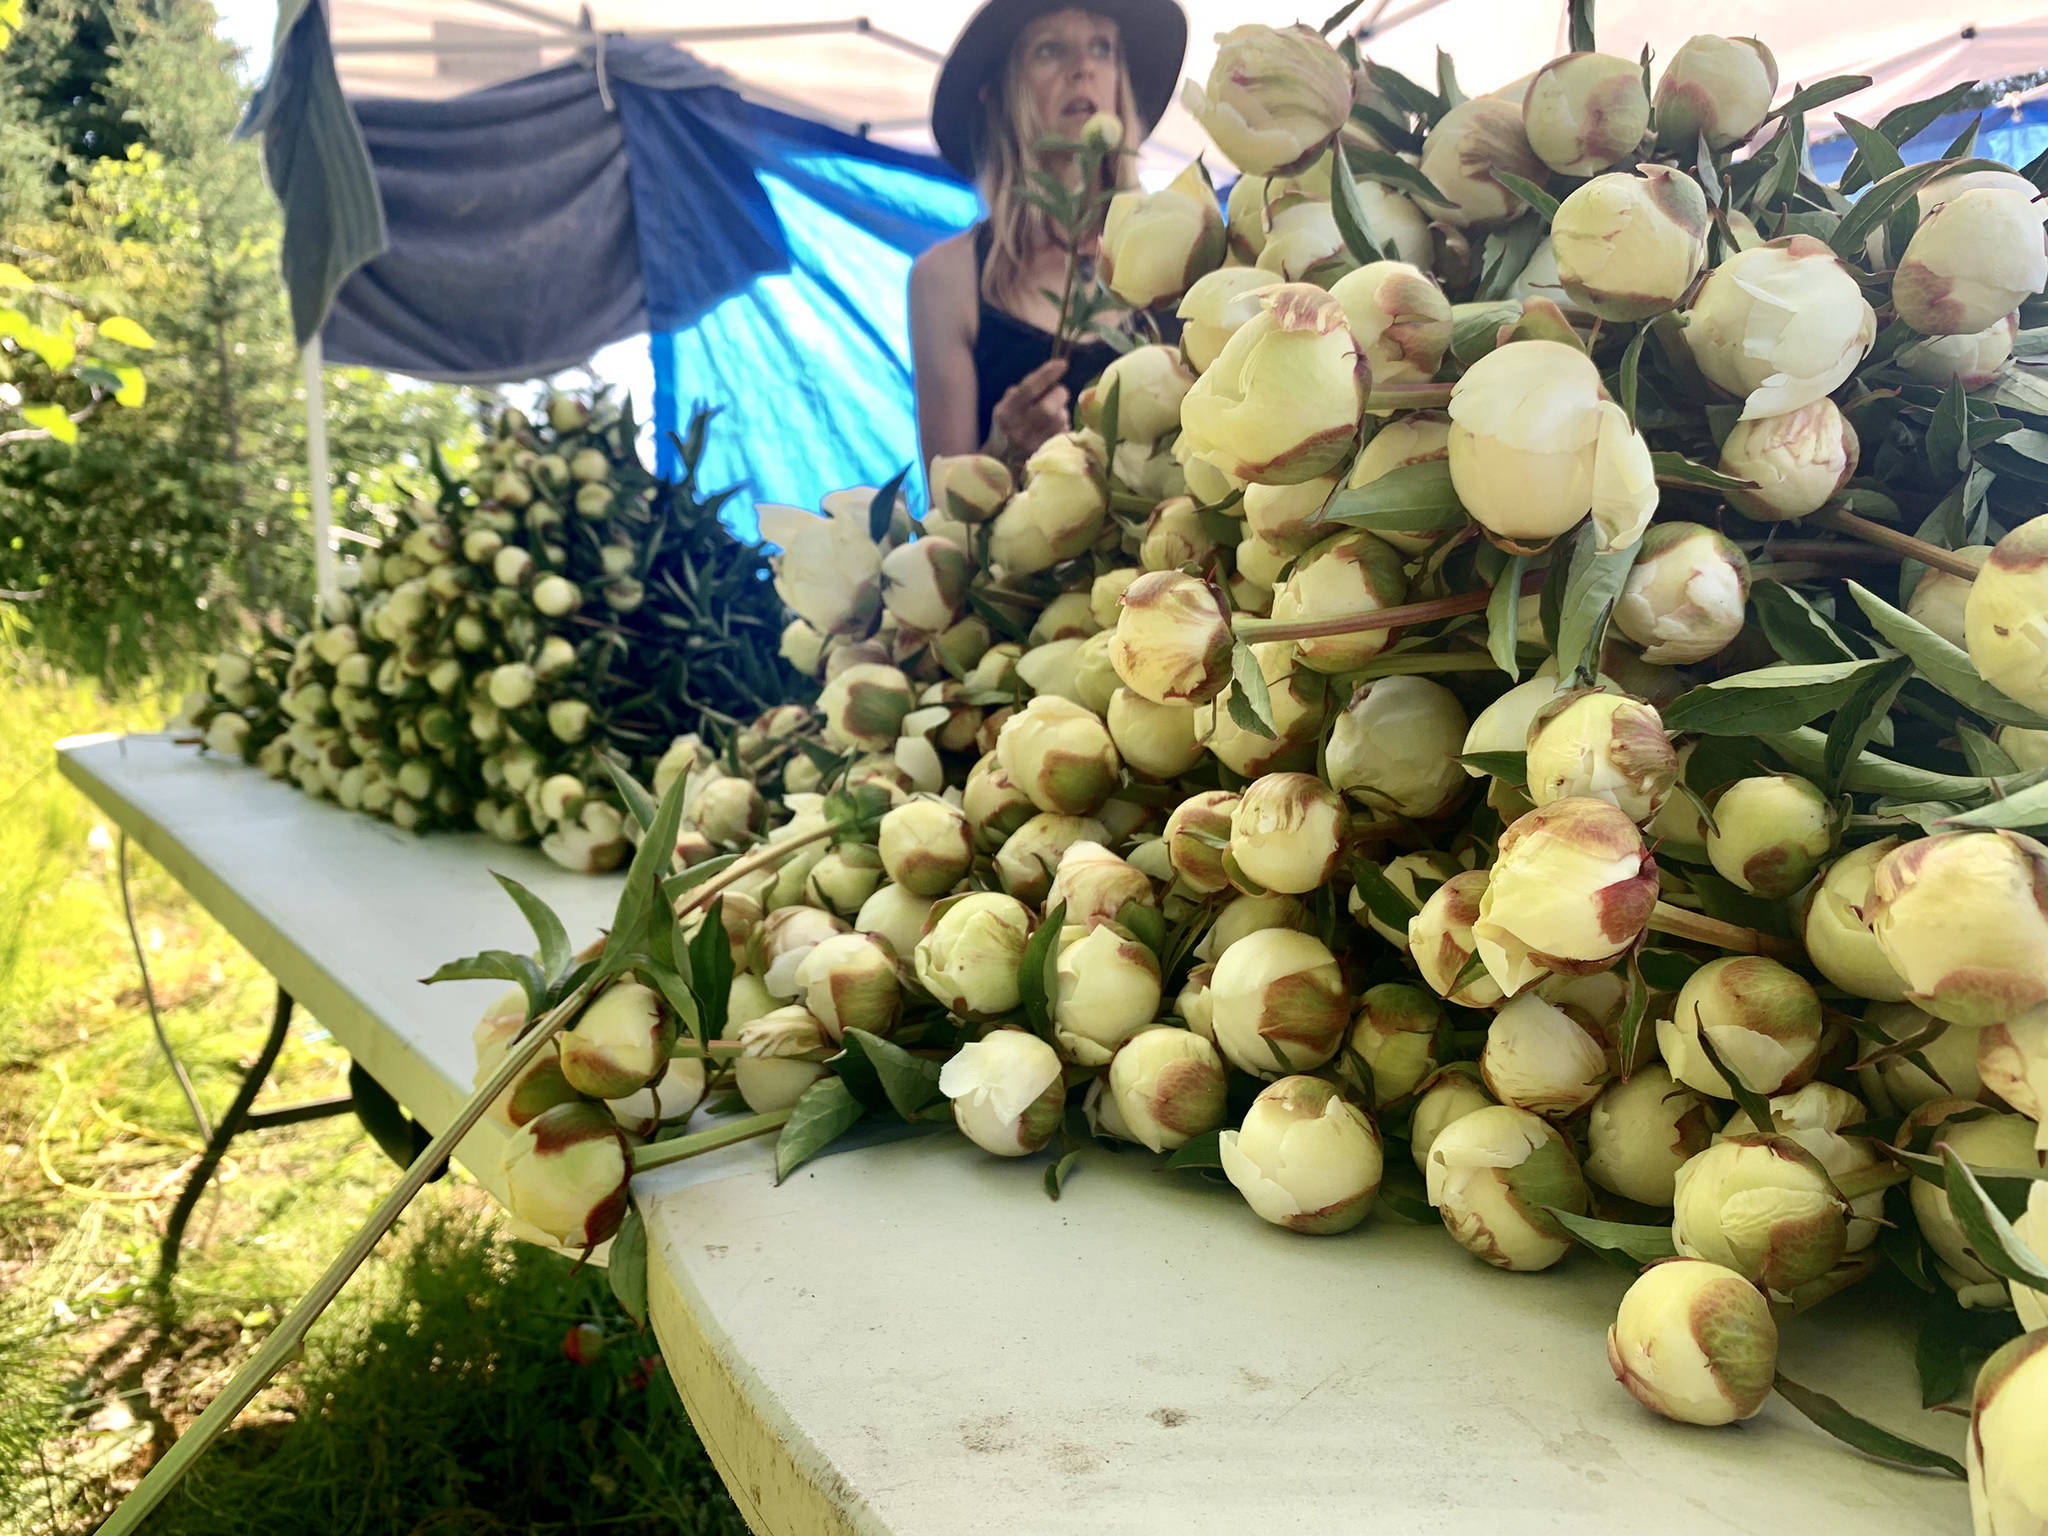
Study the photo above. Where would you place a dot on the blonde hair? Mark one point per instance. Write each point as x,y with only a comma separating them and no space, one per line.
1007,158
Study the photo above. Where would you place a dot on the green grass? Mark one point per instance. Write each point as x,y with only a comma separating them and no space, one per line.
434,1397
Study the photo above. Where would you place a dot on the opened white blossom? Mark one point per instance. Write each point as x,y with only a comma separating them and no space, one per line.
1543,1058
1695,1342
1763,1206
1685,595
1278,1002
2008,1475
829,571
1717,87
2006,620
1535,446
970,953
924,583
1585,111
1972,360
1796,459
1349,573
1169,1086
1394,1038
1395,747
1941,600
1400,317
1780,325
1971,262
1963,919
619,1043
1836,926
1496,1174
849,982
1150,383
1604,746
1770,833
1571,888
1027,858
1155,244
1282,401
1275,98
1216,306
1305,1158
1762,1019
1628,245
1007,1092
1467,146
1060,510
1105,989
1095,885
1442,945
565,1174
1642,1131
1286,833
1173,639
1060,755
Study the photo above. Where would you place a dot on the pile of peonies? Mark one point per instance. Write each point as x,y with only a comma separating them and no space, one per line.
1530,716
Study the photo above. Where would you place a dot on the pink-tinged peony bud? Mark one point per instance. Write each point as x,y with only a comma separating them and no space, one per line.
1971,262
1060,755
619,1043
1585,111
1695,1342
785,936
864,707
1156,244
1780,325
1814,1116
970,953
1641,1132
1449,1094
1305,1158
1095,885
1217,305
2011,1061
1196,834
994,805
969,487
1535,446
1105,989
1836,927
1394,1035
926,846
2006,620
1717,86
1279,1003
849,982
1058,513
1628,246
1173,639
1441,942
1762,1019
1987,1141
1503,726
668,1100
565,1174
1495,1174
1544,1058
1168,1086
1602,746
1468,145
2008,1475
776,1062
1395,747
1770,833
1349,573
1275,99
1028,857
1282,401
1007,1092
1401,319
539,1087
1972,360
1571,889
1798,459
1286,833
1157,740
1150,382
1963,919
1685,595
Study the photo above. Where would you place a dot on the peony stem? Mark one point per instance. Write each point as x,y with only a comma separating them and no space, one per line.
1905,544
1408,397
1702,929
1824,549
765,857
1257,630
660,1154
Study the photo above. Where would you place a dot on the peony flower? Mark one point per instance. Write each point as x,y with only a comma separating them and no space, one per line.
1763,1020
1173,639
848,981
1762,1206
1216,306
1150,383
1286,833
1095,886
1157,740
1058,513
565,1174
1441,942
1695,1342
1585,111
1028,857
1603,746
1770,833
1467,146
1780,325
619,1042
1156,244
969,487
1060,755
2008,1477
1304,1158
1797,459
1814,1116
1571,888
864,706
970,953
2006,619
1495,1174
829,571
1972,360
1642,1131
1282,401
1720,87
1941,601
1401,319
926,846
1278,1002
1303,243
1836,929
1628,246
1349,573
1961,918
1276,97
1105,989
1394,1035
1169,1087
925,582
1988,1141
1300,700
1971,262
1448,1095
1395,747
1685,595
1543,1058
1007,1091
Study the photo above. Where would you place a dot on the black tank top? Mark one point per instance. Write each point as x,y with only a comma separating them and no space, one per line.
1006,348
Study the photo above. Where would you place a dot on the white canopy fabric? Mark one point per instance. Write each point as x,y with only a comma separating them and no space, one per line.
868,65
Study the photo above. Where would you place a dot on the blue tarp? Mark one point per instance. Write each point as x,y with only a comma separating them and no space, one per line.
2012,134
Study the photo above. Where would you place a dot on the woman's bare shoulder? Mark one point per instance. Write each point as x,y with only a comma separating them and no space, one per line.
946,267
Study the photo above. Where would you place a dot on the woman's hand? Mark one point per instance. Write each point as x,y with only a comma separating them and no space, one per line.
1031,410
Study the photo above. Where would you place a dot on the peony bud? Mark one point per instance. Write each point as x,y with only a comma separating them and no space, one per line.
1494,1174
1720,87
1541,1058
1394,1035
1282,401
1168,1086
2006,619
1763,1206
802,647
2010,1059
1534,446
970,953
1276,97
1216,306
1894,1084
1468,144
1603,746
1155,244
1305,1159
1629,246
773,1068
1303,243
848,981
1763,1020
619,1043
1196,835
565,1174
895,916
1441,942
539,1086
1400,317
1685,595
2008,1475
1971,262
1641,1132
1770,833
1060,755
969,487
1798,459
1814,1116
1150,383
1350,573
1300,700
1960,917
1286,516
1026,861
1836,927
864,707
926,846
1989,1141
1585,111
1781,326
1105,989
1278,1002
1972,360
1395,747
726,810
669,1100
925,582
829,571
1286,833
1695,1342
1450,1094
1007,1091
1057,514
1571,888
1157,740
1095,886
1941,601
1173,639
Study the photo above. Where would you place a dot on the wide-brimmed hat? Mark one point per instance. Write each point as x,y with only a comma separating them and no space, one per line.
1155,40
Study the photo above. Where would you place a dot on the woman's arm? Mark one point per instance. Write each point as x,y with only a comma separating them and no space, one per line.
942,311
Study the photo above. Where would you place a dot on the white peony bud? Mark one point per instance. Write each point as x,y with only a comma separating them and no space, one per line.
969,487
1282,401
1642,1131
1942,601
1394,1036
1157,740
1695,1342
1279,1002
1467,146
1060,755
970,953
1961,918
1814,1117
1763,1020
565,1174
1603,746
896,916
1216,306
1717,86
1780,325
1585,111
1028,856
848,981
1156,244
1169,1087
1275,99
1007,1092
1685,595
1628,246
1286,833
2008,1475
1763,1206
925,582
2006,619
864,706
1305,1158
1095,886
1836,927
1400,317
1349,573
926,846
1770,833
1395,747
1150,382
1990,1141
1542,1058
1105,989
1441,942
619,1042
1972,360
1798,459
1450,1094
1571,889
1300,700
1495,1174
1173,639
1971,262
1057,514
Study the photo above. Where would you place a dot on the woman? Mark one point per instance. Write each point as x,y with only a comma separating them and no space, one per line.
981,325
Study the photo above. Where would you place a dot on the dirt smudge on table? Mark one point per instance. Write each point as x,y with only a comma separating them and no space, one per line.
1167,1418
986,1436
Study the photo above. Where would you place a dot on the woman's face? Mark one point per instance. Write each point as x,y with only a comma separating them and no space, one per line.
1069,69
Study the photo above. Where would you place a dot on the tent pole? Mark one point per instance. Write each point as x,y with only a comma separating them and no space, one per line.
319,486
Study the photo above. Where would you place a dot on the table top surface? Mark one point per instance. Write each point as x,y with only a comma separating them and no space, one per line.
911,1338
